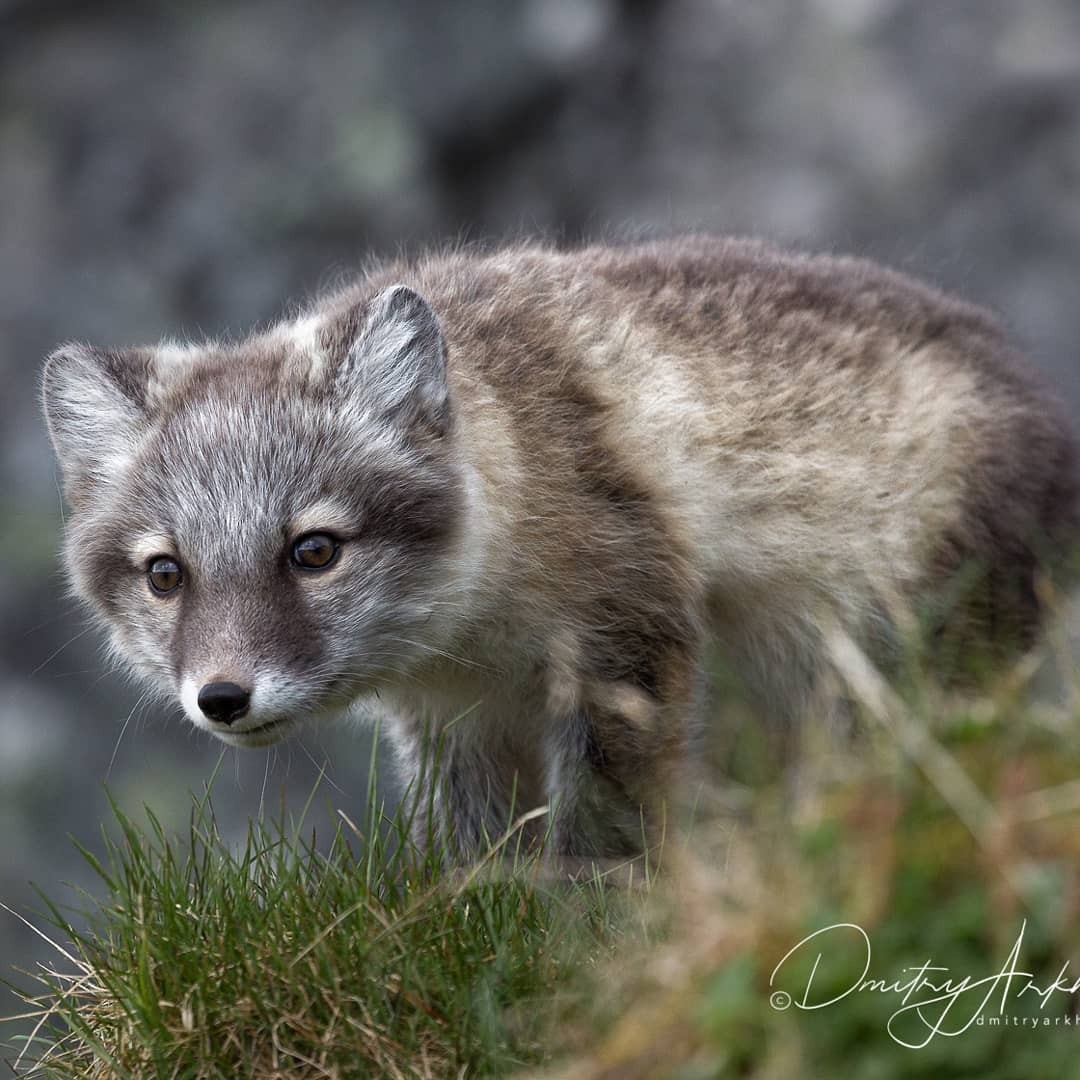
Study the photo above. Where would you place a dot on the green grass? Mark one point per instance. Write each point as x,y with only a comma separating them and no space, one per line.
281,959
942,827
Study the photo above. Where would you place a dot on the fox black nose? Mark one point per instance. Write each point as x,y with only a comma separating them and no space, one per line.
224,701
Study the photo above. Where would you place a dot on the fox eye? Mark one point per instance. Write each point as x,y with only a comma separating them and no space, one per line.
164,575
316,551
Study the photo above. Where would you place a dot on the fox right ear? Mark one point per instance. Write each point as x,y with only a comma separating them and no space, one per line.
94,401
397,364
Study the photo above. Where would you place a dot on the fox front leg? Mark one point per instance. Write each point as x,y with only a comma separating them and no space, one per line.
612,767
463,799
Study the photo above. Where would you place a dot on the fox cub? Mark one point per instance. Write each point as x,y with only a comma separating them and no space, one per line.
510,497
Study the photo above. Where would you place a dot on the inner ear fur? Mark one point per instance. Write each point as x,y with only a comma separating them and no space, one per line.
95,408
397,363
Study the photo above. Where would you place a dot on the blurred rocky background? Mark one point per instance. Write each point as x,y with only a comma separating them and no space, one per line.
190,168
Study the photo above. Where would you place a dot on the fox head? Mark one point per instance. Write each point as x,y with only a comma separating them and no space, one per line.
271,529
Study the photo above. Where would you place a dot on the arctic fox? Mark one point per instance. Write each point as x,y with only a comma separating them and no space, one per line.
514,496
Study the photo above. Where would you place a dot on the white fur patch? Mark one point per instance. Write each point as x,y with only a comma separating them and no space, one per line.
172,360
304,338
189,699
146,547
325,514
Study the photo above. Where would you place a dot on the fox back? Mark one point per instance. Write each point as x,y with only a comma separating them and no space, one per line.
517,495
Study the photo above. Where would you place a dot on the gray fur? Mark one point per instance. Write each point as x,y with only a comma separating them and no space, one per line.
553,477
398,362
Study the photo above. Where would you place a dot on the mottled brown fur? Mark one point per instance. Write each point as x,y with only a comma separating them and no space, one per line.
562,473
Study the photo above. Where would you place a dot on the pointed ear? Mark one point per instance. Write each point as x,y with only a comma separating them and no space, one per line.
94,404
397,364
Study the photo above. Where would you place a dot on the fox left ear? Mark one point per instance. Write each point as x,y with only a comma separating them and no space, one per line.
398,361
95,409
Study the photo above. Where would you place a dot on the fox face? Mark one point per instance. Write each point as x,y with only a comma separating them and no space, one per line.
268,530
